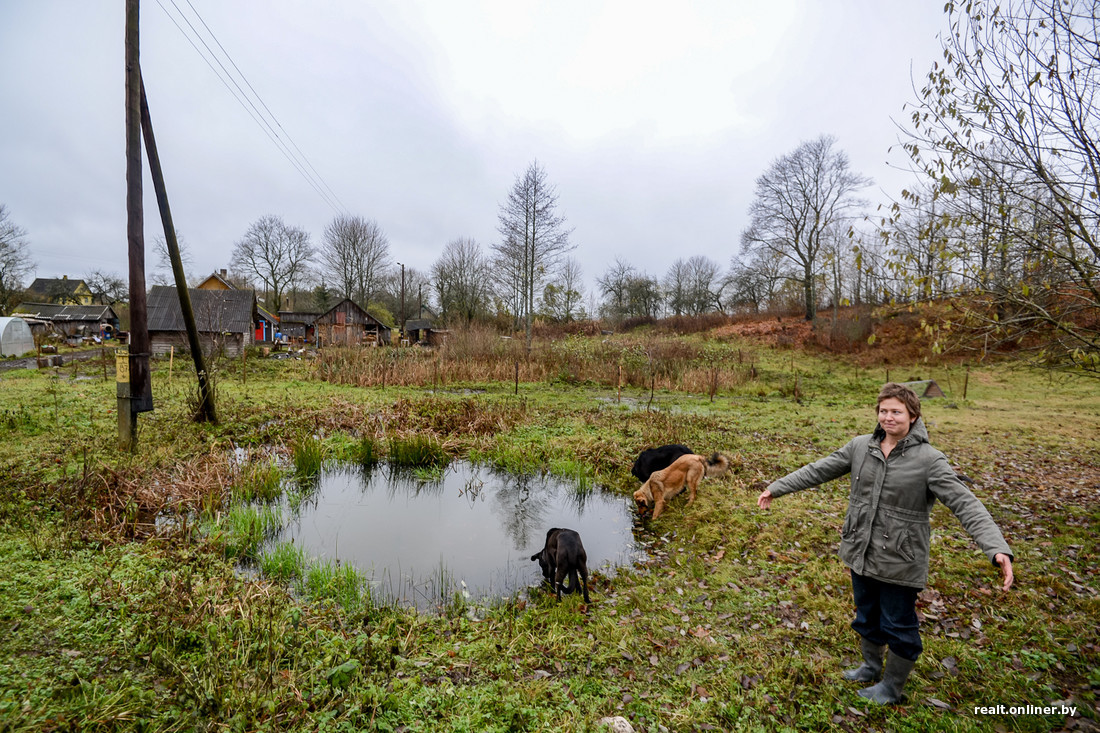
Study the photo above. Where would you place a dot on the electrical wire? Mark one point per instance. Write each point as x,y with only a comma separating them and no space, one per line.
264,117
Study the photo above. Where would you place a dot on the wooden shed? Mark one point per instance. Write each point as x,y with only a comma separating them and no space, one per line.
70,320
347,324
925,388
423,331
298,326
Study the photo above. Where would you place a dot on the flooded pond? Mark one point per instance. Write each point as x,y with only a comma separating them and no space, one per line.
419,541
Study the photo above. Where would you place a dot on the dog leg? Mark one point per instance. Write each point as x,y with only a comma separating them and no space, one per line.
693,484
584,581
559,584
658,505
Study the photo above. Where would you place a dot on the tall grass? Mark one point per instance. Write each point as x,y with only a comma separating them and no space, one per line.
367,452
285,562
341,584
308,456
257,482
481,356
417,451
244,528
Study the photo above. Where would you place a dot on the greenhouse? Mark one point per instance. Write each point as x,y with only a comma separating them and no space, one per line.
15,337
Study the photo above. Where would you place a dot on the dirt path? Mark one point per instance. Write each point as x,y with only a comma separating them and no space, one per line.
31,362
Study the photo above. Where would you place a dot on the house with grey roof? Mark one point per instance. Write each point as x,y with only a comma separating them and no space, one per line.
225,319
60,290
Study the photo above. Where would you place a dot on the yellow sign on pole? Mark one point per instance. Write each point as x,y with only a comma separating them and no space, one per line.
122,366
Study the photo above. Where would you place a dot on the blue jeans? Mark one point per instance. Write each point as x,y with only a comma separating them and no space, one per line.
886,614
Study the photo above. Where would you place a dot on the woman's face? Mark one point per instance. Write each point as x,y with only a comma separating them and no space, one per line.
894,418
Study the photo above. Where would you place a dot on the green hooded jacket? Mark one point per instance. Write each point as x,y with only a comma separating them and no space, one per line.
886,532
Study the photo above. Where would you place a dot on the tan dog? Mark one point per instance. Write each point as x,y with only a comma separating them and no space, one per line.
685,471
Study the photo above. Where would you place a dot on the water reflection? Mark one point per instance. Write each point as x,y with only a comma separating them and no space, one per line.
474,525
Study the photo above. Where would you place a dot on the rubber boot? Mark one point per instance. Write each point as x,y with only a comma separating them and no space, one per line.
894,675
871,668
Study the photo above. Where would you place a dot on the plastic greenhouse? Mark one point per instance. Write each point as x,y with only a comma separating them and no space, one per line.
15,337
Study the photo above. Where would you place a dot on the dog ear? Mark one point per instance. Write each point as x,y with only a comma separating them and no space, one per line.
536,556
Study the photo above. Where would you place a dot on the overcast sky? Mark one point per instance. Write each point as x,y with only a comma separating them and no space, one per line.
652,119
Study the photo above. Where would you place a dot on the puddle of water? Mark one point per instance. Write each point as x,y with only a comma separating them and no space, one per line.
418,542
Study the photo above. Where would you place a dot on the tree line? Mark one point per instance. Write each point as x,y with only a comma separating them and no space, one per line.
1002,219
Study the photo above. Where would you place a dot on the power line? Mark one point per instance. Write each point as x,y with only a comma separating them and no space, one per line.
265,119
261,101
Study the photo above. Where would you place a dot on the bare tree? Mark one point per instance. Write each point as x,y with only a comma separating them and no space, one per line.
460,278
1014,111
563,297
676,287
798,199
15,260
753,279
354,257
615,286
533,237
162,274
108,288
276,254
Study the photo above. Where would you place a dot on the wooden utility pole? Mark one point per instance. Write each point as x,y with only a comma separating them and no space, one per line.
206,410
134,395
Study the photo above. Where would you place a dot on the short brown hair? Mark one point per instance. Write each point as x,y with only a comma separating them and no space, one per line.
903,393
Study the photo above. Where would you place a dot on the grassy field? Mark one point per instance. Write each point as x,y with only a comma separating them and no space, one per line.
120,608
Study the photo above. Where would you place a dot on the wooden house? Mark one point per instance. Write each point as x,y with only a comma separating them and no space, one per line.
216,281
267,325
347,324
226,320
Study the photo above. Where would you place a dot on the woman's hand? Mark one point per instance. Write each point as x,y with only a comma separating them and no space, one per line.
765,500
1006,568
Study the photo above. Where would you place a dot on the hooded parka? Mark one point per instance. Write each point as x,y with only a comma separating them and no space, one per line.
886,532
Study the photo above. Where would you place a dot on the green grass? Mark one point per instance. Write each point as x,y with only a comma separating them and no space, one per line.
258,482
245,527
340,584
738,619
417,451
308,457
368,451
283,562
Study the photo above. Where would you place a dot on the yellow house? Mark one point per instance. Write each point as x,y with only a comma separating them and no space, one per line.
217,281
61,291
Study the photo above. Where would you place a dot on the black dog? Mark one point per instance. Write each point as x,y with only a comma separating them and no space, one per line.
655,459
563,555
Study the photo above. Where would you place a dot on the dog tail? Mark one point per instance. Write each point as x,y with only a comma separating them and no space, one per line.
717,464
574,583
569,583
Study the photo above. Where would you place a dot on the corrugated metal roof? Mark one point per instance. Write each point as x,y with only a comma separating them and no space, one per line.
56,285
55,312
215,310
297,317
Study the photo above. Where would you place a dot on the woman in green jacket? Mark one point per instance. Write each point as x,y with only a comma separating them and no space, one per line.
896,478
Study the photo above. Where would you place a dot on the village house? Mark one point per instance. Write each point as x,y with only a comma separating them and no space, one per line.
60,290
226,320
216,281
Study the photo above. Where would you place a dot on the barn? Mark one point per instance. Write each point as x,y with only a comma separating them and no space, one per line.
346,324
